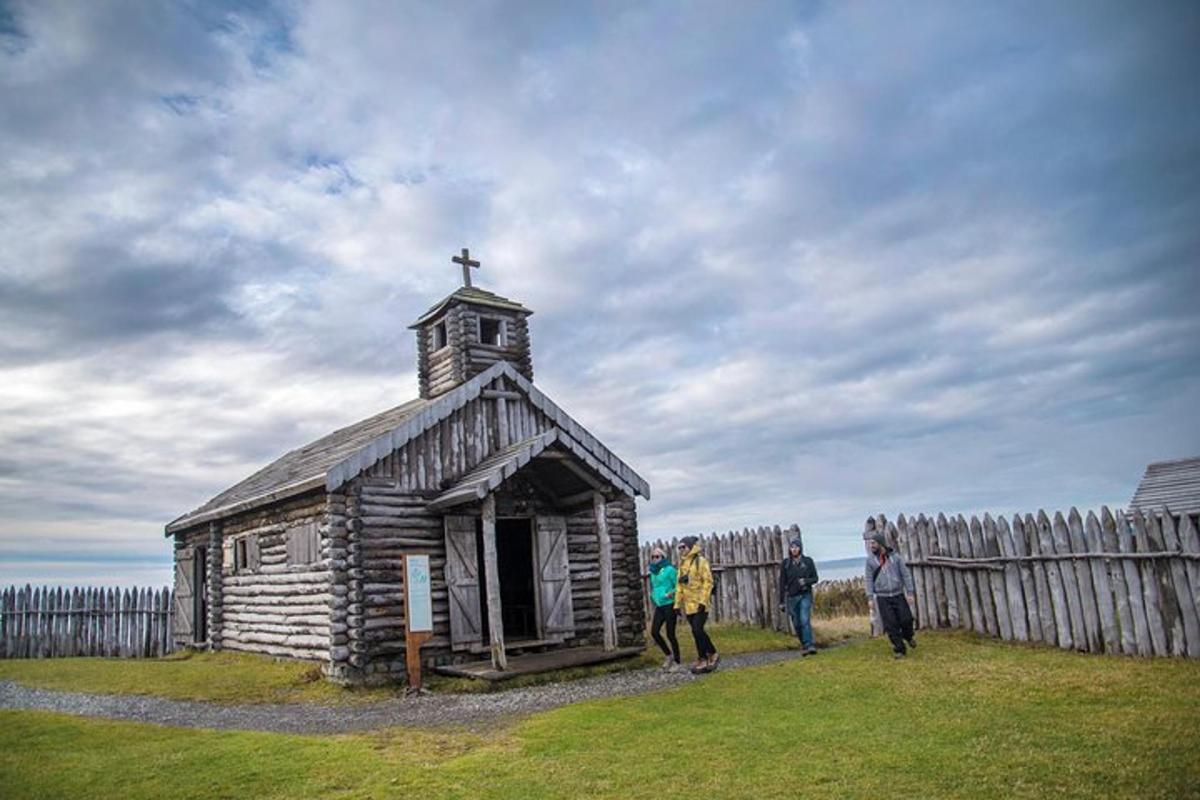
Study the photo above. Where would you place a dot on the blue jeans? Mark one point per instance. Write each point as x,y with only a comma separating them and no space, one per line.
799,606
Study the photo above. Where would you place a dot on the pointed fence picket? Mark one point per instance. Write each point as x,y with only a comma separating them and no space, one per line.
53,622
1096,582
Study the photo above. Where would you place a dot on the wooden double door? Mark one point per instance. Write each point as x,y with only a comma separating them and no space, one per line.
534,572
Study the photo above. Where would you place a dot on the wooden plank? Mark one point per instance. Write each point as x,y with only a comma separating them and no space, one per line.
1120,588
950,579
929,545
1026,538
1013,539
974,595
1126,543
1058,598
1014,595
1094,541
1159,639
1184,594
983,578
1189,541
1083,575
1062,545
991,548
1172,618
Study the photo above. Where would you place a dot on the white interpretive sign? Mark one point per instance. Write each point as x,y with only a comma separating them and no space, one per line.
419,605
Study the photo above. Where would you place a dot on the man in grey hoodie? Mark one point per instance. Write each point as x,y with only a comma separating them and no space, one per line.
889,585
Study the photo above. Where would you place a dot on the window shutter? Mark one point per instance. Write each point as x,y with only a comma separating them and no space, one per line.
184,563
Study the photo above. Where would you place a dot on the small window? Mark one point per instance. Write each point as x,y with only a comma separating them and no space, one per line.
439,336
491,331
245,554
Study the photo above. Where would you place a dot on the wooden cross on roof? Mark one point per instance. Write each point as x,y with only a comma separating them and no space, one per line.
467,263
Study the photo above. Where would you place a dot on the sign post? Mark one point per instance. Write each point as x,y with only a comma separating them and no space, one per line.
418,615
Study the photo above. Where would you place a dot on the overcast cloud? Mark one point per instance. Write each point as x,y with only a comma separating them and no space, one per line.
794,262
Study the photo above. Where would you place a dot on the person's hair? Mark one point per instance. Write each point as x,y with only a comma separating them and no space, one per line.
658,551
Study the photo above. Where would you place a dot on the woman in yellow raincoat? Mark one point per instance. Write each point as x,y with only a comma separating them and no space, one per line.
693,592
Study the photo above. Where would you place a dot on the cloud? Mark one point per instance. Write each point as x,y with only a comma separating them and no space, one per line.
795,263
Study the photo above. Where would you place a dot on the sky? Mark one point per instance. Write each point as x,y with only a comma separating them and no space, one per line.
793,262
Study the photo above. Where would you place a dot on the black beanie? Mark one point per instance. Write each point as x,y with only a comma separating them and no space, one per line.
690,541
878,536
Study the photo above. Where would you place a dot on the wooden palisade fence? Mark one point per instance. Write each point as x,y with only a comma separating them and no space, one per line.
48,622
1100,583
745,572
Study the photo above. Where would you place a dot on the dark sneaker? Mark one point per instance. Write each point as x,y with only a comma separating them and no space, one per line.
912,643
898,654
810,651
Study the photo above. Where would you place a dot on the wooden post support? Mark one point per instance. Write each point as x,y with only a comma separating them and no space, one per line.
492,575
418,614
607,609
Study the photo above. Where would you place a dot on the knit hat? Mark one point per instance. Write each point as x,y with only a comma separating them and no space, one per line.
689,541
880,539
799,545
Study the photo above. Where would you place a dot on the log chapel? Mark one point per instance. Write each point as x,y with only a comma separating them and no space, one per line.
529,521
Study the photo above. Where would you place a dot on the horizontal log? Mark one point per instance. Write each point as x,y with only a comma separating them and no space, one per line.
305,654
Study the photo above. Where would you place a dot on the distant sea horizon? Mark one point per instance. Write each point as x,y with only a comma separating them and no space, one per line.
835,569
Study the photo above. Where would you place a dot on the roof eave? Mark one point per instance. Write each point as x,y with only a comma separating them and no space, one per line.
441,307
282,493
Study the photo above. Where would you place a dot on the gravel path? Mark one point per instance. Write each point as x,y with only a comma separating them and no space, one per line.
429,710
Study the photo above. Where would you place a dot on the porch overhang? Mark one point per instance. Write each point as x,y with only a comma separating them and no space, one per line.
502,465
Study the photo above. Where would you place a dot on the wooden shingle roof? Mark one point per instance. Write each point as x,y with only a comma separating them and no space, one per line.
344,454
475,295
308,464
1174,484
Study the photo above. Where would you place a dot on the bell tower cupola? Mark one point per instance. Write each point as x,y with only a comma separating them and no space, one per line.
467,332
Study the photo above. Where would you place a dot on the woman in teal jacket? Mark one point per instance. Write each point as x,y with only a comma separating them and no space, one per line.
662,593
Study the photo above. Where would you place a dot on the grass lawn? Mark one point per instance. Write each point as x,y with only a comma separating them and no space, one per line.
245,678
963,717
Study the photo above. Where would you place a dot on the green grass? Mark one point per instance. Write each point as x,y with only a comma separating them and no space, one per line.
224,677
962,717
229,677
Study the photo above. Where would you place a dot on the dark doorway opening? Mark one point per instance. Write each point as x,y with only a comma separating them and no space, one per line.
514,563
200,596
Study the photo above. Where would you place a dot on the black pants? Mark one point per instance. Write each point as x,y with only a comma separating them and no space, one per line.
897,619
704,645
665,615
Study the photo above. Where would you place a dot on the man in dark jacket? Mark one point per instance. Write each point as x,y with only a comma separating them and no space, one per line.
889,585
797,576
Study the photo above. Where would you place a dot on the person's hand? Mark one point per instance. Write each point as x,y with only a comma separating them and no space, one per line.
782,608
703,608
912,600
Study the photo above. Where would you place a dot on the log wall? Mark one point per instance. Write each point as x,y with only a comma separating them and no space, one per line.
387,522
54,622
275,608
268,606
1097,583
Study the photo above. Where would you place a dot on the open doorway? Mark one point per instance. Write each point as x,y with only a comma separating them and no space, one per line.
514,563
